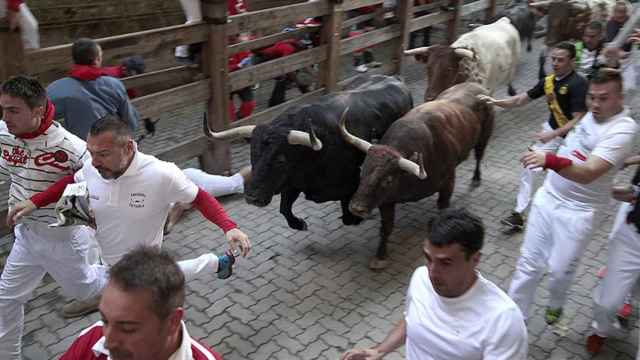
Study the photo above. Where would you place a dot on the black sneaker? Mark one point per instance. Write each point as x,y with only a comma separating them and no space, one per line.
225,265
515,221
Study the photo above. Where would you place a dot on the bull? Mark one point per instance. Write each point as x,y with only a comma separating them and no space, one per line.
418,156
488,55
301,150
522,17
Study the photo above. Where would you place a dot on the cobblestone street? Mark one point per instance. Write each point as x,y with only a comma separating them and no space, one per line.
310,295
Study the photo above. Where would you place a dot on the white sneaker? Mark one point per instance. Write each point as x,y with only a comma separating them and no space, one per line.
77,308
362,68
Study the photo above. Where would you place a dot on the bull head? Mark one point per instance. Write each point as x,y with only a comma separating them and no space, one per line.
295,137
364,146
443,67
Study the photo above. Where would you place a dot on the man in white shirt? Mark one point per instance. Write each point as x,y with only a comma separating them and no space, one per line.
623,266
35,152
589,51
568,206
452,312
130,195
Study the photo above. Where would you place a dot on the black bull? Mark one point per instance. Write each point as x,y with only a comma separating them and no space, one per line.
418,155
301,150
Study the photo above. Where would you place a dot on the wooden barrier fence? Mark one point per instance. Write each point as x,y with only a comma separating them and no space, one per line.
167,86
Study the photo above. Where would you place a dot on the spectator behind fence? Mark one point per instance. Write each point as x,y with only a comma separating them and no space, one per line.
19,17
142,311
451,311
90,92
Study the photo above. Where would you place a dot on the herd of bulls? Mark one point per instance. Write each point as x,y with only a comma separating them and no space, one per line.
368,146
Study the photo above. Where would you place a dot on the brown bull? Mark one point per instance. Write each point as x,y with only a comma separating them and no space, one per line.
418,155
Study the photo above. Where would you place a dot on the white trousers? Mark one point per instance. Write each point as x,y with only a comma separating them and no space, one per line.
623,270
28,25
38,250
193,13
555,238
214,184
527,175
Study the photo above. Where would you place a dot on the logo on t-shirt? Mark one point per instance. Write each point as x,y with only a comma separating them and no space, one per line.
53,159
17,156
137,200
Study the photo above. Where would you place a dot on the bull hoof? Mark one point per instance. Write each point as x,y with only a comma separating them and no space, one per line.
378,264
475,183
297,224
511,91
529,48
351,219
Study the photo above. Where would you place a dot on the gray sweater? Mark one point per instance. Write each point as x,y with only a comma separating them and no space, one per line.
82,103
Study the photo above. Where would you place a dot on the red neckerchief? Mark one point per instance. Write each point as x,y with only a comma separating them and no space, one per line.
46,122
86,72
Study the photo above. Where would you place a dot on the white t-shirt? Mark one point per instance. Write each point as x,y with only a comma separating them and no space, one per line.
482,324
612,141
587,58
131,210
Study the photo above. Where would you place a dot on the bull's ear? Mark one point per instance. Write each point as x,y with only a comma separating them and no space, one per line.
415,157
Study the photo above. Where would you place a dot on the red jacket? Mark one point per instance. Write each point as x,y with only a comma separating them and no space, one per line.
14,5
235,59
280,49
82,348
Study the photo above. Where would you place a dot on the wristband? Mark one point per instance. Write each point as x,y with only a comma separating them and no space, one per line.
555,162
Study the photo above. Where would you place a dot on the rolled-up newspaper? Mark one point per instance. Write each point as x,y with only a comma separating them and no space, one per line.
73,207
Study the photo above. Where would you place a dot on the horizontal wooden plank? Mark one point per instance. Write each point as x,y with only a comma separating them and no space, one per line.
270,69
254,5
370,38
271,113
431,6
474,7
153,105
184,151
347,24
276,17
160,80
355,4
149,41
271,39
430,20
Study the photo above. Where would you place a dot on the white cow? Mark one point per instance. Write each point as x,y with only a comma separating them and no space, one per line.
488,55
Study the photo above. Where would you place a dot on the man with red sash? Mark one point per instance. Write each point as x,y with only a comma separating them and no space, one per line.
91,92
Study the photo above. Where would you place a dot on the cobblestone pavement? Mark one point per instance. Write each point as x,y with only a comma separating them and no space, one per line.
310,295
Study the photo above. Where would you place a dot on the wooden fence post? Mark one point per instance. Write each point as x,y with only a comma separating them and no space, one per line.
11,52
216,159
331,33
491,11
454,22
405,17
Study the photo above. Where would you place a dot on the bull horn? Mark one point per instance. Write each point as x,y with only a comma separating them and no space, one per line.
358,143
297,137
464,53
413,168
417,51
540,4
231,134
